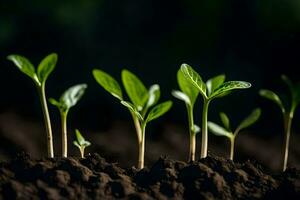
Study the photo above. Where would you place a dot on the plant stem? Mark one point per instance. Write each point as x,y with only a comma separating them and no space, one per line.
204,128
64,138
137,127
232,141
82,152
140,132
142,149
192,133
288,117
43,100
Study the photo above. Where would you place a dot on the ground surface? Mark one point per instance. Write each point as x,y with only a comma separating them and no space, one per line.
94,178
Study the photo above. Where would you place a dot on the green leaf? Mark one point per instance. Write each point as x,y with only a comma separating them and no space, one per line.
72,95
108,83
135,89
268,94
288,82
76,144
196,129
80,139
55,102
187,87
154,95
132,109
24,65
214,83
295,92
229,86
159,110
218,130
194,78
46,67
181,96
251,119
225,120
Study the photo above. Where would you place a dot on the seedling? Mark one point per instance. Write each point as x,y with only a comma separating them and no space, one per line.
67,100
227,131
188,95
39,77
213,88
141,101
287,111
80,142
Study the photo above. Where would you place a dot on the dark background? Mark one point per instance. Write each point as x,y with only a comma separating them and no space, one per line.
251,40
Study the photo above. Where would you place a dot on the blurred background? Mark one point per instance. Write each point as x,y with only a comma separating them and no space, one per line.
251,40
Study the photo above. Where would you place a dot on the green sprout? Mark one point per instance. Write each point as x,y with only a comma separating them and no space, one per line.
227,131
67,100
213,88
39,76
188,95
141,101
80,142
287,111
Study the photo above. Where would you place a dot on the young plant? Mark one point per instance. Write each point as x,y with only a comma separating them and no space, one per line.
227,131
213,88
141,101
39,77
188,95
67,100
287,111
80,142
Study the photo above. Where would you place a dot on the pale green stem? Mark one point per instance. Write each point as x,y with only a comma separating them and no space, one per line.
142,148
140,132
43,100
82,151
232,141
192,133
288,117
64,138
137,126
204,141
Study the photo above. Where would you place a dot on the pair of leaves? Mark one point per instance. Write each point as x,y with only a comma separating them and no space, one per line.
295,93
43,71
135,89
226,130
215,87
141,98
69,98
80,142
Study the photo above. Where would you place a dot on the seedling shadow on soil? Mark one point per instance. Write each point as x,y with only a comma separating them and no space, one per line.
94,178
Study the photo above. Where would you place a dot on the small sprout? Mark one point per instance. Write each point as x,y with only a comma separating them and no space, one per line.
39,76
80,142
287,111
227,131
67,100
141,100
188,95
213,88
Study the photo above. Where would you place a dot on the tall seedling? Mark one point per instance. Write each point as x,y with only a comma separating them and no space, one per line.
227,131
213,88
39,77
67,100
188,95
141,101
287,111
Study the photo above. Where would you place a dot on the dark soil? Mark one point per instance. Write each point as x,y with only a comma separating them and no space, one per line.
94,178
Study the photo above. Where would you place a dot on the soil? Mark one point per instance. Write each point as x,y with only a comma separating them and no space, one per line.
95,178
